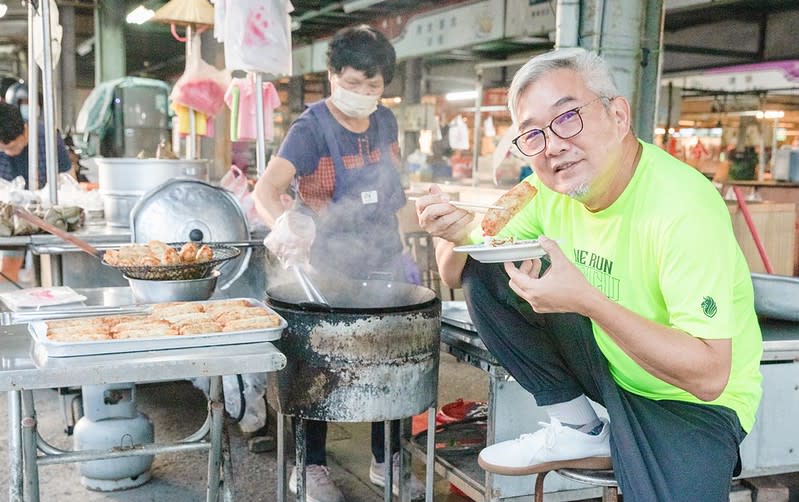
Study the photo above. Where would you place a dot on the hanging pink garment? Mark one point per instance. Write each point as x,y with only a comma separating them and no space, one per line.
245,126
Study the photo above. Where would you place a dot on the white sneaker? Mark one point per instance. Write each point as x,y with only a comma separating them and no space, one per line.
318,485
552,447
377,475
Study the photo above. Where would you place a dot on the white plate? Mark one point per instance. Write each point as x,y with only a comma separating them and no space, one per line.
31,298
521,250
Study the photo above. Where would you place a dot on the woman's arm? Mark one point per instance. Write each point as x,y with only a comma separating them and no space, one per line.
270,186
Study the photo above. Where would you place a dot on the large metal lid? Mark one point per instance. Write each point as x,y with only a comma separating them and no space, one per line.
188,210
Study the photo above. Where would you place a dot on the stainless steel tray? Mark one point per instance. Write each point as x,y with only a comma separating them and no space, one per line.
38,330
776,296
456,314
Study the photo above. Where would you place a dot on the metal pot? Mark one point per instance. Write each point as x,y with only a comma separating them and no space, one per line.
122,182
117,207
190,290
372,357
775,296
140,175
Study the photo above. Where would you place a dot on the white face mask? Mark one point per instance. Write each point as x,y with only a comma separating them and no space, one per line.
354,104
23,110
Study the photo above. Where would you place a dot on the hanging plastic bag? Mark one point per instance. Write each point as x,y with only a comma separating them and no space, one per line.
202,86
258,36
488,127
459,134
236,181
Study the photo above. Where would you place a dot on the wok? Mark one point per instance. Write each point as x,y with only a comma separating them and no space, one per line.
372,356
365,296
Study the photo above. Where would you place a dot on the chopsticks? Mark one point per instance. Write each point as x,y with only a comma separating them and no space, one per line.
467,205
311,292
473,205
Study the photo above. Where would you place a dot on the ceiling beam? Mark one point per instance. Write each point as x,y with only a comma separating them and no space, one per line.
710,51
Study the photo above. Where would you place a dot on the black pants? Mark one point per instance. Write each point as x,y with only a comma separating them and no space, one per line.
663,451
316,438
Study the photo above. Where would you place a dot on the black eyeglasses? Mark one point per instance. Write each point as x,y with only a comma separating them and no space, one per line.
566,125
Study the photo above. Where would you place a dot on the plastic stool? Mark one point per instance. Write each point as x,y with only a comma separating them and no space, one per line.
604,478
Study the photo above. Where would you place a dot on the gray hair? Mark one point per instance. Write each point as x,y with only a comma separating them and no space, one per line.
589,65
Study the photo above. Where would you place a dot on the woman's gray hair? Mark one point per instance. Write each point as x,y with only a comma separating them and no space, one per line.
589,65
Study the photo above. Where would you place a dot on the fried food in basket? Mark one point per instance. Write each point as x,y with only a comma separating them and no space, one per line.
155,253
188,253
512,202
166,319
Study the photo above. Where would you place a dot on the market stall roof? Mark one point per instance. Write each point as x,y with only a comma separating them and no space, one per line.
698,33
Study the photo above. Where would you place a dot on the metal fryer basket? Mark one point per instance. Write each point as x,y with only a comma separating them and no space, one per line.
180,272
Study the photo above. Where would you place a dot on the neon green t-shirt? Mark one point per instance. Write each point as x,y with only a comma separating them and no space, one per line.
666,251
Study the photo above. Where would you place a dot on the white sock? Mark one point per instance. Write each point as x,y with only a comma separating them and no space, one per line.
577,413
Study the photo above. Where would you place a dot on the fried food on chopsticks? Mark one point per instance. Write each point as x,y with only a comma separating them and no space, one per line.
512,202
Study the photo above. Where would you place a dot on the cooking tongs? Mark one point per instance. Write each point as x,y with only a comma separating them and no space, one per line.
311,291
52,229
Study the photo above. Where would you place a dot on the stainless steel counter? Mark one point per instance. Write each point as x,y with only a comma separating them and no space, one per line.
92,233
23,369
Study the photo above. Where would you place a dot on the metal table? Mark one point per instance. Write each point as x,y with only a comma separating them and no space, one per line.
23,369
772,447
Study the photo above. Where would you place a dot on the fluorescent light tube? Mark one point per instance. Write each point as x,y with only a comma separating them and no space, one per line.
354,5
140,15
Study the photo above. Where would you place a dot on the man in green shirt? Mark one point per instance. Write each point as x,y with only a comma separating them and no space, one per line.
644,303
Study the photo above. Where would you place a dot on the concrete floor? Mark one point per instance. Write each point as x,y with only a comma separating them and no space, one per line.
177,409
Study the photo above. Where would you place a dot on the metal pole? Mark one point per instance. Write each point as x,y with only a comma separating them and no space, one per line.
281,457
216,407
431,452
387,467
260,142
67,65
300,428
33,105
774,144
567,23
191,140
651,63
16,477
404,461
478,102
29,458
49,105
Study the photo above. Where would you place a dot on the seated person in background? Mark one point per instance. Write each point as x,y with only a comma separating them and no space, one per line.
644,304
14,162
14,147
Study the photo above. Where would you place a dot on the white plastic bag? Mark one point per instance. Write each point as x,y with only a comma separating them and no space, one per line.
241,390
258,36
458,134
236,181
